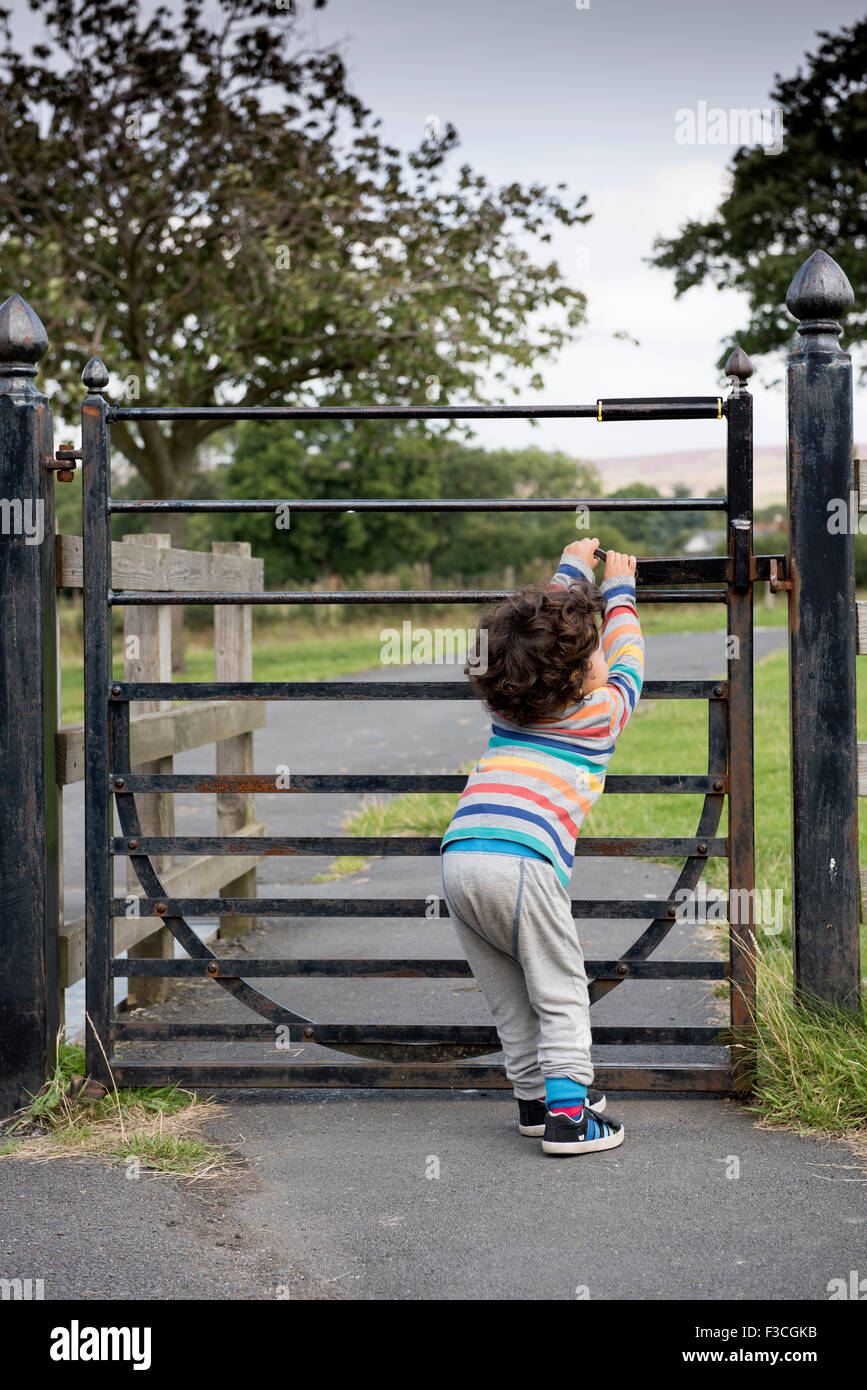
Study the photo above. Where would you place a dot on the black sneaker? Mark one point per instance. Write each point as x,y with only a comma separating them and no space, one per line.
532,1114
590,1134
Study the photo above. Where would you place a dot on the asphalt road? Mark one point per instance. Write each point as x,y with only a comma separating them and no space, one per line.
402,1196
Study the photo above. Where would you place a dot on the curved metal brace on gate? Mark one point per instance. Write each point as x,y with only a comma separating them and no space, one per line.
690,874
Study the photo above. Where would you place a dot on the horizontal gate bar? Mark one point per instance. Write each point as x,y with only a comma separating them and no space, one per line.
690,569
227,968
385,845
685,570
411,1034
700,1078
421,504
119,597
627,408
647,783
606,909
366,690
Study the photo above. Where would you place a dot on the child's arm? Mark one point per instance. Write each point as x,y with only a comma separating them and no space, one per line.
622,642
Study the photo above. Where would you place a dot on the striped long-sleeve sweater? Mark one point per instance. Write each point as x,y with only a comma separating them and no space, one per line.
537,782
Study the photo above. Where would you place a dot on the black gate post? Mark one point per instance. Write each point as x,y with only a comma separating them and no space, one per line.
739,633
98,806
29,804
821,566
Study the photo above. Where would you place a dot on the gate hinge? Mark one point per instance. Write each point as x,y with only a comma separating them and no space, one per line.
776,584
63,463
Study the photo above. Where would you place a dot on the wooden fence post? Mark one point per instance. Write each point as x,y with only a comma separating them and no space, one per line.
140,563
233,661
29,810
147,635
821,566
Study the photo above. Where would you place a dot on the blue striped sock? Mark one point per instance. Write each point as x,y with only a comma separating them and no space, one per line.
563,1096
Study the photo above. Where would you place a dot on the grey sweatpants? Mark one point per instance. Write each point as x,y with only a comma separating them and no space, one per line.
514,920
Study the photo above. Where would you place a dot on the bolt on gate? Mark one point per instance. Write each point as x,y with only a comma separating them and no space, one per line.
412,1055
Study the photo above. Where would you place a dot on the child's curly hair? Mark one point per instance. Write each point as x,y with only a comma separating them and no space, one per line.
540,643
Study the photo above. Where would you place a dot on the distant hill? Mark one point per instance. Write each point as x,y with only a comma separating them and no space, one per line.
702,470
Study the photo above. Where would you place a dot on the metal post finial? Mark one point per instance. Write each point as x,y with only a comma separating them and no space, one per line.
23,340
95,376
739,368
818,294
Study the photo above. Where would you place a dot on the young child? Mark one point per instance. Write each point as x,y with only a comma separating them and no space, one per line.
559,693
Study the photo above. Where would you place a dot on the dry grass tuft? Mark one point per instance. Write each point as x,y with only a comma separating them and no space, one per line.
154,1131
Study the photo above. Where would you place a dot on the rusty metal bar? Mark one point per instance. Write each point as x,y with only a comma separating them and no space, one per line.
409,1035
365,690
645,783
385,845
226,968
708,569
698,1079
630,909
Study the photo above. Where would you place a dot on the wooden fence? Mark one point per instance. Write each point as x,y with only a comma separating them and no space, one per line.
159,730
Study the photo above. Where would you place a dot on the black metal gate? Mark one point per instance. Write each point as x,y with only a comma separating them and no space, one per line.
409,1055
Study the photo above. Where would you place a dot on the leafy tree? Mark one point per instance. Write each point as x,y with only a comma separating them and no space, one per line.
359,458
378,459
479,547
209,207
780,208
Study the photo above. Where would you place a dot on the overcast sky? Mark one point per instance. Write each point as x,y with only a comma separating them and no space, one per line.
545,90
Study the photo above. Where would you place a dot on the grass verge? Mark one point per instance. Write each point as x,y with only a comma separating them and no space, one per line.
811,1062
154,1131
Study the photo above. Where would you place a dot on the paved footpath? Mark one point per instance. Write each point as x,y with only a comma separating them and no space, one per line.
413,1195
